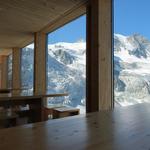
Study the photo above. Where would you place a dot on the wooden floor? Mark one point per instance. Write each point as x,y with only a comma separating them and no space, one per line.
123,129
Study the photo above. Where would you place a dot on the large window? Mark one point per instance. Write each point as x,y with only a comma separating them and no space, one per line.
131,52
27,66
66,64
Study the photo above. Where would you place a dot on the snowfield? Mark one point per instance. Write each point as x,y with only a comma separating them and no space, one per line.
66,67
66,72
131,69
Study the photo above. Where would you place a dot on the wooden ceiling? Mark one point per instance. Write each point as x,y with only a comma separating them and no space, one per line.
19,19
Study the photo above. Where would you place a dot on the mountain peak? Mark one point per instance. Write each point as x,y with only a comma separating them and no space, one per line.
138,37
135,45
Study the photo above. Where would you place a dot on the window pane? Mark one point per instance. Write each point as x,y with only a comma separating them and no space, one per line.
66,64
27,65
131,52
10,71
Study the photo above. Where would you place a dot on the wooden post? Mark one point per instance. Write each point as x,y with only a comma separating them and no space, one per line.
92,95
0,75
106,54
99,55
16,70
4,72
40,63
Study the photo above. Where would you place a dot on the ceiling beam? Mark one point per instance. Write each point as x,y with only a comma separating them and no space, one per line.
70,15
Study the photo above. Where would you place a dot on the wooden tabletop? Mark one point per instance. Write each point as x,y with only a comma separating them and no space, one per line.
12,89
18,97
122,129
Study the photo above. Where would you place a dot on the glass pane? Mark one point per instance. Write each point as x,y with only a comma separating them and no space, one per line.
27,66
10,71
131,52
66,64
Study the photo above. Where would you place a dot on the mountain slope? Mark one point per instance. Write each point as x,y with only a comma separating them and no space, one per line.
66,70
132,69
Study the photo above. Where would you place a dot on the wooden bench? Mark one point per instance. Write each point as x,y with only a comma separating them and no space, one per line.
8,119
48,111
65,112
34,102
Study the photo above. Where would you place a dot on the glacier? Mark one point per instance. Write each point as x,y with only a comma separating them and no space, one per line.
66,71
131,69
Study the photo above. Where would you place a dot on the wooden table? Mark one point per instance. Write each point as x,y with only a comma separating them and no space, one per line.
8,119
35,103
8,97
122,129
9,90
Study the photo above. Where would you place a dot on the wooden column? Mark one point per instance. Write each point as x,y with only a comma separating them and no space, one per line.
0,76
16,70
4,72
99,55
106,54
40,63
92,95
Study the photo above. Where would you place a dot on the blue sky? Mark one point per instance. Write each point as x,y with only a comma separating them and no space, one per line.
71,32
132,16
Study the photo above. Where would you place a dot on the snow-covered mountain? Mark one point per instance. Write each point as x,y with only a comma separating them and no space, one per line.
66,70
131,69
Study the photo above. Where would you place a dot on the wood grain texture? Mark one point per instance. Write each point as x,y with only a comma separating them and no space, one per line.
34,114
75,12
8,97
35,102
64,111
16,70
92,63
105,54
40,63
5,52
122,129
99,55
21,18
4,71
